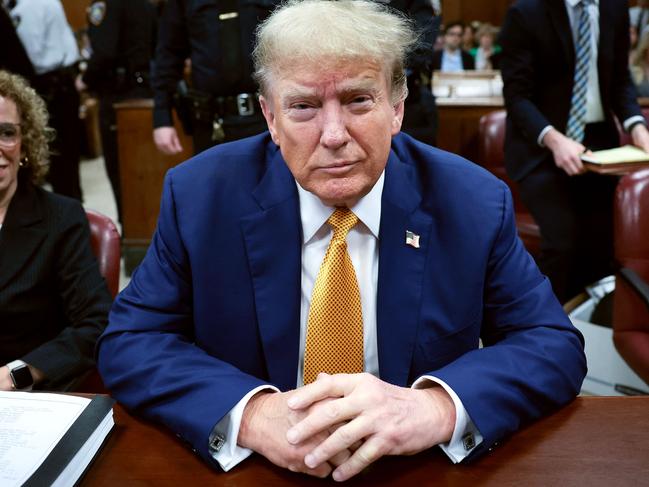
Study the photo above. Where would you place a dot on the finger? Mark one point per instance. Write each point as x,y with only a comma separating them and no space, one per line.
340,440
328,416
340,458
325,386
322,471
369,452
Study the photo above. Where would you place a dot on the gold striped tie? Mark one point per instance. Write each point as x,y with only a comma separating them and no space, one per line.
334,338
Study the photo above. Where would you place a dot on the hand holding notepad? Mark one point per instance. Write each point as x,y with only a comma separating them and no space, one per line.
616,161
621,155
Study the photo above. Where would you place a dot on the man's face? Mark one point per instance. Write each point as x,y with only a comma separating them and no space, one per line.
453,37
334,125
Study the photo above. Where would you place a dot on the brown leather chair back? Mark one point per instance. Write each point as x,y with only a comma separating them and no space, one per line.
491,152
630,312
105,242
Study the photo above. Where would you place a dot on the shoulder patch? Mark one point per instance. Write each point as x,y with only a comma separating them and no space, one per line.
97,12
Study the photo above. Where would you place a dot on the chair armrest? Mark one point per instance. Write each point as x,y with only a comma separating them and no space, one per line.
637,284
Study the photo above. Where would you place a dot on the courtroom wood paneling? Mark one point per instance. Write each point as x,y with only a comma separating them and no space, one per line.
492,11
75,11
142,170
458,127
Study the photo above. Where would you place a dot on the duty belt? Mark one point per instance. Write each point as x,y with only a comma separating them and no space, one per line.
242,105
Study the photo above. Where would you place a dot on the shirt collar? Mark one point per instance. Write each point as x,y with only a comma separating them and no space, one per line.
573,3
314,213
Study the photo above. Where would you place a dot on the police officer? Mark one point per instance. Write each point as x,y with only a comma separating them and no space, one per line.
122,37
420,114
221,105
50,44
13,57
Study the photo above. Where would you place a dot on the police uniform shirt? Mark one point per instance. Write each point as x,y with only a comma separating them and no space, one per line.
122,36
44,31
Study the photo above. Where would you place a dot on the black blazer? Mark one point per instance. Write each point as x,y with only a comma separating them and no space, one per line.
538,63
53,301
467,60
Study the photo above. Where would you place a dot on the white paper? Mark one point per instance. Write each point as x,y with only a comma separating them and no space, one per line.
30,427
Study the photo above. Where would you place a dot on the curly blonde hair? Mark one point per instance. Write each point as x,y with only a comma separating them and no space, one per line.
35,134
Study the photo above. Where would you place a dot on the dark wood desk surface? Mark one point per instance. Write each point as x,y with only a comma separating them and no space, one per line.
595,441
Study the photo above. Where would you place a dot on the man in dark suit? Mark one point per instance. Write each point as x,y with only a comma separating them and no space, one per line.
231,311
564,66
453,58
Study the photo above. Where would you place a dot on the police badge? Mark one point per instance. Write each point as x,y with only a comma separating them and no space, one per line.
97,12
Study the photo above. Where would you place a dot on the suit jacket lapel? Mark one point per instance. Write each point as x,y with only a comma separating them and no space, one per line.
273,238
606,32
401,271
21,234
561,23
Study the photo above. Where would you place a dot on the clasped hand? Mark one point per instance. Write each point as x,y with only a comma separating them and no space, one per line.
341,423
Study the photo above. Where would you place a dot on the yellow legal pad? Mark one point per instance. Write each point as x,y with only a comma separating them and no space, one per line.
627,154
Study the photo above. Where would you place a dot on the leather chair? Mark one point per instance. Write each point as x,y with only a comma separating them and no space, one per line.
631,300
106,246
491,134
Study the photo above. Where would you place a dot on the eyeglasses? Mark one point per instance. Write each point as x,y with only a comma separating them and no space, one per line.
9,134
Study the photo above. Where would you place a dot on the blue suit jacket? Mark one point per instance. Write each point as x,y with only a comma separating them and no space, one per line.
214,308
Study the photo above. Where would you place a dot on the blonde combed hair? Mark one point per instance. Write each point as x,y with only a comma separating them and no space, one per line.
325,31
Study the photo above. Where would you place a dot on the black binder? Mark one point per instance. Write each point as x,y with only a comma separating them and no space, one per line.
71,442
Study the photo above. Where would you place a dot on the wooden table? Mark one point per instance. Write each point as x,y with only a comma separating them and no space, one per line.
595,441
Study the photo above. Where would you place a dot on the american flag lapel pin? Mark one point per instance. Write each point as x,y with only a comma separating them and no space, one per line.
412,239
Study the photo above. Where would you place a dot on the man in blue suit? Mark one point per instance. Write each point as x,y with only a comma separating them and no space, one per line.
213,335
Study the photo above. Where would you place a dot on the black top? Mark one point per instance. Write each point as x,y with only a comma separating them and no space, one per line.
218,44
122,35
53,301
12,55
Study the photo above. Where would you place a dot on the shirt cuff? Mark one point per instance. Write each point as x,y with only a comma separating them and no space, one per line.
223,440
465,435
539,139
631,121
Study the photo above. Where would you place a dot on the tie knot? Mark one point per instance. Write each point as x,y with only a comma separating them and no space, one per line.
342,220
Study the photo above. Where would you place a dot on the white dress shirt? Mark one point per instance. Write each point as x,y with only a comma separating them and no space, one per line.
362,245
452,61
45,33
594,108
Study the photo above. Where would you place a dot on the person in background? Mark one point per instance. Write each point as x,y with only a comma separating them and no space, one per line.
487,54
13,57
452,58
52,49
566,79
122,37
469,36
640,66
220,105
639,16
53,301
336,252
420,119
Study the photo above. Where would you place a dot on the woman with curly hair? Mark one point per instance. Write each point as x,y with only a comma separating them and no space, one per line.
53,301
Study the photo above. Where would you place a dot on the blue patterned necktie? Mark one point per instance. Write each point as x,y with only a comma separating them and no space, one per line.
577,116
